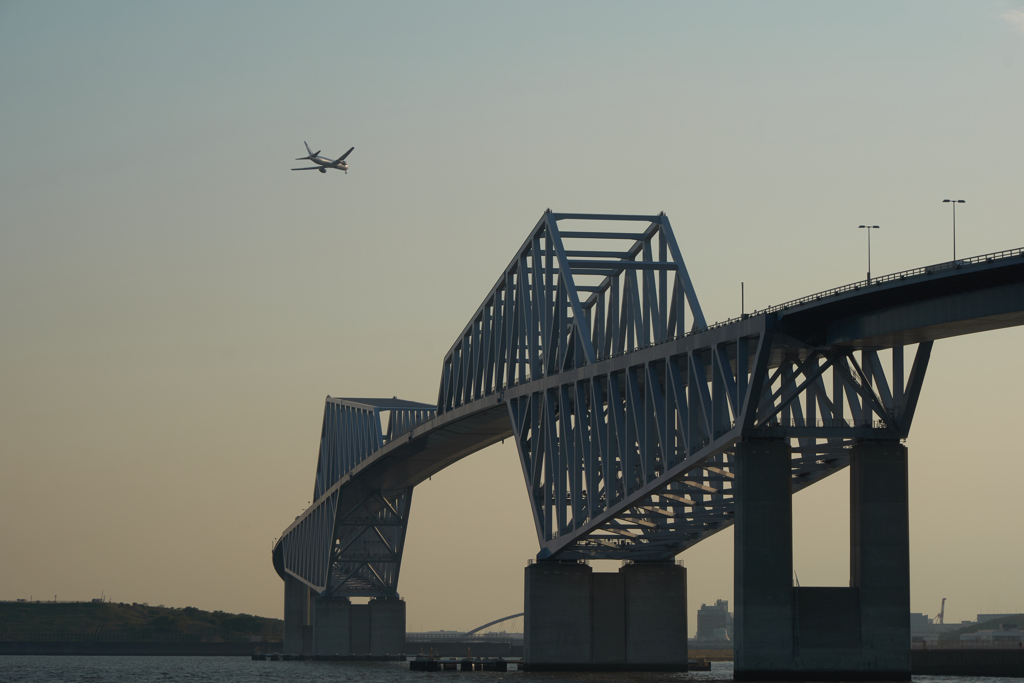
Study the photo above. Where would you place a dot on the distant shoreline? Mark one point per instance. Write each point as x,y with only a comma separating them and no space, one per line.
110,628
141,649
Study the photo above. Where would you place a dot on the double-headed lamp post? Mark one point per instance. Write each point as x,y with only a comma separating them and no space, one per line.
954,202
869,228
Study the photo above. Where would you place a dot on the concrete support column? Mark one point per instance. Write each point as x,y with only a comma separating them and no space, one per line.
557,632
310,619
853,633
577,620
880,555
359,629
763,579
296,610
331,626
387,626
608,601
655,595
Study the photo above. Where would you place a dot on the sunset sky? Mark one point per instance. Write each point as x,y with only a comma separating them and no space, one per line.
175,303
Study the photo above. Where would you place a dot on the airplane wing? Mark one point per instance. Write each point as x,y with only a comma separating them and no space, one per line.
308,168
342,157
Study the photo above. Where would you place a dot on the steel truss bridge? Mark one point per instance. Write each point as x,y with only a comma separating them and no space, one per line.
593,352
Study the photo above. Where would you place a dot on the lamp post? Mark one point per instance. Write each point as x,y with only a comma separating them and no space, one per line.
954,202
869,228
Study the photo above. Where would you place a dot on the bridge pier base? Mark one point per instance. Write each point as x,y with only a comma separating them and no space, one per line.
296,614
576,620
880,553
331,631
387,626
860,632
373,628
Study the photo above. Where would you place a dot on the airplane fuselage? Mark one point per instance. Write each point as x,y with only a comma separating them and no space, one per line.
324,161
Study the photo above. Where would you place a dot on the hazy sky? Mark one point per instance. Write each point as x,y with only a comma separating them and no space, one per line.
175,303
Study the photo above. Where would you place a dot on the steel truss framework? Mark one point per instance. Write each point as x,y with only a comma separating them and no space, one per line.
366,554
533,323
350,543
625,419
626,406
634,460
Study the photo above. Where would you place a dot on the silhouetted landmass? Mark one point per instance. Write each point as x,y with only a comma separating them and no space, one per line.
990,625
122,621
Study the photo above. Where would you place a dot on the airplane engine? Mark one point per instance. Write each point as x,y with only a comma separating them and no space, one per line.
323,170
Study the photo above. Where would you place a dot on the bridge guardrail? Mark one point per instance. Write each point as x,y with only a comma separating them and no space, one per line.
902,275
853,286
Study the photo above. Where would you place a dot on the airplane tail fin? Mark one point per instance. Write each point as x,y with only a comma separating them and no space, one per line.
312,154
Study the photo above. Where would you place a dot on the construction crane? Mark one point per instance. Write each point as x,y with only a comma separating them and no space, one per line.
942,613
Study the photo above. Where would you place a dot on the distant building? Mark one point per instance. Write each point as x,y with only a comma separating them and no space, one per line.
714,622
921,628
1006,634
924,630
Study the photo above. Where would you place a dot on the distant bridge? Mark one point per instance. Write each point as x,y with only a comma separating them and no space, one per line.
627,407
505,643
476,635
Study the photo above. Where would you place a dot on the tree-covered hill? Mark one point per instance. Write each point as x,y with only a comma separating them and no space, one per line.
18,619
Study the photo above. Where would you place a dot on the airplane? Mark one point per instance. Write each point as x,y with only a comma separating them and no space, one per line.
324,162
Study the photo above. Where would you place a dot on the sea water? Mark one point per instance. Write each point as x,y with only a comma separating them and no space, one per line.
101,669
93,669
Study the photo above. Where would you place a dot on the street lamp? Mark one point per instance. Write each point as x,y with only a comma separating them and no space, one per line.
954,202
869,228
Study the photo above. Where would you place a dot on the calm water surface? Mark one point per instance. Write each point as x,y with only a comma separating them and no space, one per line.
22,669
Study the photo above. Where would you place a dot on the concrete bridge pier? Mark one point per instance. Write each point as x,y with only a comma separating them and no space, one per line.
298,624
855,632
331,626
578,620
880,554
387,626
335,626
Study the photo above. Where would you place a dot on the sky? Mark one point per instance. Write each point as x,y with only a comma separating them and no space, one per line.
175,303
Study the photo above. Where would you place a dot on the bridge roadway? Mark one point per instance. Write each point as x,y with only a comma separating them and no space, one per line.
626,420
923,305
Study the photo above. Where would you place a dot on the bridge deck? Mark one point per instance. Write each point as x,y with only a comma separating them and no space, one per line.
918,306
